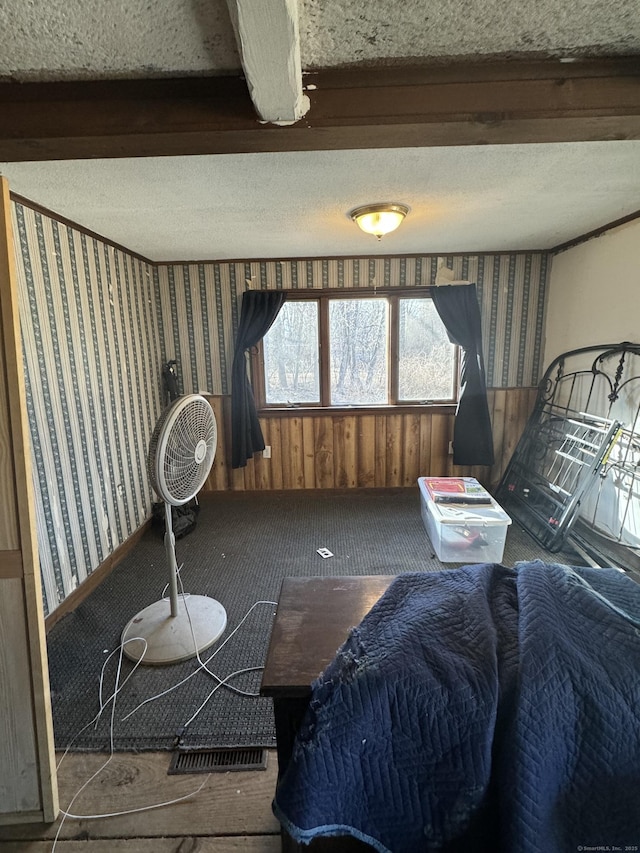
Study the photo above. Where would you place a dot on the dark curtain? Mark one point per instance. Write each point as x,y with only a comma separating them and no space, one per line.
458,308
259,309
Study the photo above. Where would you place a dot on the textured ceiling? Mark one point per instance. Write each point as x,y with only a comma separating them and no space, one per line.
92,39
87,39
481,198
335,32
295,204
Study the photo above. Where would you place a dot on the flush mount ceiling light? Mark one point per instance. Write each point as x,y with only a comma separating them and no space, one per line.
379,219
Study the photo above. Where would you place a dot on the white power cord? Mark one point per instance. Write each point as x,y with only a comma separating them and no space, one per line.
140,809
203,665
66,813
222,682
104,704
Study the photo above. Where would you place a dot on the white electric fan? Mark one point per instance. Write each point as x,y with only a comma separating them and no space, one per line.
181,454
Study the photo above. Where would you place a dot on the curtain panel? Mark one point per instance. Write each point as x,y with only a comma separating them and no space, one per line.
259,309
458,308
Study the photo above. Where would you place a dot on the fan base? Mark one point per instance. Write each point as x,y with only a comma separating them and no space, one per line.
170,639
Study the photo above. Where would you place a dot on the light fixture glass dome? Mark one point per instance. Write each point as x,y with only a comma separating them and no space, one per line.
379,219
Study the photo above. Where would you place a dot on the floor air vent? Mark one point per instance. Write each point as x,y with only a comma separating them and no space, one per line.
217,760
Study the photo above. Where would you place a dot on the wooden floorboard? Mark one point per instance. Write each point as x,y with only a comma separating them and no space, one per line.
231,813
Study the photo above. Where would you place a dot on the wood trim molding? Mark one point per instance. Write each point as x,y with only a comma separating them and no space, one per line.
95,578
76,226
358,411
383,256
461,104
597,232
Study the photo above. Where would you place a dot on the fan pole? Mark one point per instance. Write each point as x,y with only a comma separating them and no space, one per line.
170,548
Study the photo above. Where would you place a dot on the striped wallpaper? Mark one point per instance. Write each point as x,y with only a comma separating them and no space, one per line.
92,370
199,306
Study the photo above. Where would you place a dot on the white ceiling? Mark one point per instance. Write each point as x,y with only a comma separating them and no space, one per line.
294,204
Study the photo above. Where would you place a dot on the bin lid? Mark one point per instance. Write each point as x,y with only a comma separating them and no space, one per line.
460,513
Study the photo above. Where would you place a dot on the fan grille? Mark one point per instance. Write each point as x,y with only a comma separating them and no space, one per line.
182,449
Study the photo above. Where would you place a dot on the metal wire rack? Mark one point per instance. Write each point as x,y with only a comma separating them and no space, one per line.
578,461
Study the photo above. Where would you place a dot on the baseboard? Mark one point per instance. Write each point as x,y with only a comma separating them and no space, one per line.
240,494
95,578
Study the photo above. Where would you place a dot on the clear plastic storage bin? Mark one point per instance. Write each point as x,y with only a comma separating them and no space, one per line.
464,532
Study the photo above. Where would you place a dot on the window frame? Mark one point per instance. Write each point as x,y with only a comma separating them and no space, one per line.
323,298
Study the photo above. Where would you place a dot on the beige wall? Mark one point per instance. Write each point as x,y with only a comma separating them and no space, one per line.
594,293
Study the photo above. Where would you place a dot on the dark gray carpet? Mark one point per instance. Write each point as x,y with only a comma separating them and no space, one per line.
242,547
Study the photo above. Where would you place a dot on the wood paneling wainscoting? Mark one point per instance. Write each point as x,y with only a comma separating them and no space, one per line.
318,450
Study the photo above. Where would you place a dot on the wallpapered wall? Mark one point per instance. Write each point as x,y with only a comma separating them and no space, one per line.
92,363
200,304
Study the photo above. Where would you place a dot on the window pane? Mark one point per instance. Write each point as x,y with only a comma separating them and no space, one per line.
291,371
426,359
358,351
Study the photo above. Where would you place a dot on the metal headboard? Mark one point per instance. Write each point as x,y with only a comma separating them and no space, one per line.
591,384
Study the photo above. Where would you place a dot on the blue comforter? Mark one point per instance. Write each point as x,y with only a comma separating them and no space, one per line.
479,709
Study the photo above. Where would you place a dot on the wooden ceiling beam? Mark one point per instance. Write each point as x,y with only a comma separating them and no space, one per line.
509,102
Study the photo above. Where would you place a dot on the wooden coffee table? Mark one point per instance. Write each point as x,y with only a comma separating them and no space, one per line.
312,621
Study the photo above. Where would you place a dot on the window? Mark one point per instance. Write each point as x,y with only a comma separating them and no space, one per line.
427,366
357,350
291,363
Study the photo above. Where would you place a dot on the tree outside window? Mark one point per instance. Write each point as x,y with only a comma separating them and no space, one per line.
361,350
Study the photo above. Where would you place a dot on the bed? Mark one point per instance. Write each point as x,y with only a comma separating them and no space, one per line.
478,709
